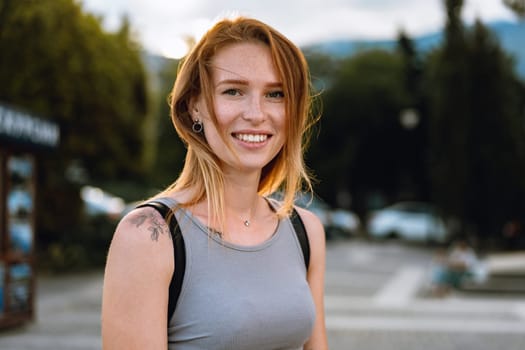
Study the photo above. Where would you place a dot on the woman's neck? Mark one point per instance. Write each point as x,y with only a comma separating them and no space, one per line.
241,198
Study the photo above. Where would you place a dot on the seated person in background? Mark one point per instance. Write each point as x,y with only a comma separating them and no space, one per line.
453,267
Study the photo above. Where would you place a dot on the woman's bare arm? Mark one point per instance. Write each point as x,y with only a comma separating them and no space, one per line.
316,272
136,282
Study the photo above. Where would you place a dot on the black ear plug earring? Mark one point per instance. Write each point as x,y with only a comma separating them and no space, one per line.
197,126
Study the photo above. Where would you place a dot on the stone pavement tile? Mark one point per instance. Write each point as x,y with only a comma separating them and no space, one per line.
67,315
407,340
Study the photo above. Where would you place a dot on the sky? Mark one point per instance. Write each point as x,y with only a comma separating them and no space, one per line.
161,26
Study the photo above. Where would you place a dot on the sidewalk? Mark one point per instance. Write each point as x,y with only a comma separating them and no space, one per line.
512,263
505,274
67,316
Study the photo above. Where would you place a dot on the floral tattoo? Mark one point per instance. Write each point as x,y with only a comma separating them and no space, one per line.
157,227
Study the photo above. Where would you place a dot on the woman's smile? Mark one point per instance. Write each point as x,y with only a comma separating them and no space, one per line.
251,138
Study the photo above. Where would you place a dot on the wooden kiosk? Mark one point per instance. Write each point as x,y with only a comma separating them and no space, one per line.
22,138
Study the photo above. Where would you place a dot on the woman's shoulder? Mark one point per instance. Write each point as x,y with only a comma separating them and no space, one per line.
143,221
142,235
317,239
312,223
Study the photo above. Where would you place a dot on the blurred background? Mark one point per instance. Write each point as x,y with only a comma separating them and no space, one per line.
422,135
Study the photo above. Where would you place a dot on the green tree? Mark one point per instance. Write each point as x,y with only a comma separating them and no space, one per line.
476,132
358,148
450,118
496,188
57,62
416,135
323,70
170,149
518,6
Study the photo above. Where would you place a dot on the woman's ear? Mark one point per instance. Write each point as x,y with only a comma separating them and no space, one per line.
193,108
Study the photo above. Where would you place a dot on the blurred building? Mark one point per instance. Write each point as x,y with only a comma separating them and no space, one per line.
23,138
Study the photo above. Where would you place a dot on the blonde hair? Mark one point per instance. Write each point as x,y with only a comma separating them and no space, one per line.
201,172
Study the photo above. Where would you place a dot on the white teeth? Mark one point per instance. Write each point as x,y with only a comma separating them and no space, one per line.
251,137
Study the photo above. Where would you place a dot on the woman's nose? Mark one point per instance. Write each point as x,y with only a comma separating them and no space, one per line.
255,110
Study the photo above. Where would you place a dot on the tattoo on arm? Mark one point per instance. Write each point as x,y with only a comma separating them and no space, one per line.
157,227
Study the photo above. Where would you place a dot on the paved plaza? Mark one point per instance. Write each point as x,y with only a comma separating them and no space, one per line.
373,301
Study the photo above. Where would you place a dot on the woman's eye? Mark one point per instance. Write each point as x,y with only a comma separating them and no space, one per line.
276,94
231,92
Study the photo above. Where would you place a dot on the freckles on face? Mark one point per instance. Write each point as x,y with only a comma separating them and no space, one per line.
249,104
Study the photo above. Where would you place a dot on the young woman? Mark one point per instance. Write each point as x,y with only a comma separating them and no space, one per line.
241,104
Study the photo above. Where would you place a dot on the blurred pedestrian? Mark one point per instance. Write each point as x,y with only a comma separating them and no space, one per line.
452,268
241,104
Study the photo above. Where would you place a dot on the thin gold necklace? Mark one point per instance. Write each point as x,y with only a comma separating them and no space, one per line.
247,222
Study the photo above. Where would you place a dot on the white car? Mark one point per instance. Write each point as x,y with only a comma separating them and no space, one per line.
99,202
411,221
336,222
341,221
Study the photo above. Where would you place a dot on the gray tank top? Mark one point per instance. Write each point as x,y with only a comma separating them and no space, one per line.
241,297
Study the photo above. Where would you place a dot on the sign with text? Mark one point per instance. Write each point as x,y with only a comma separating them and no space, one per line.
24,128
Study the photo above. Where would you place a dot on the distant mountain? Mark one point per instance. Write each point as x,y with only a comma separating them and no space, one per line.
510,34
512,38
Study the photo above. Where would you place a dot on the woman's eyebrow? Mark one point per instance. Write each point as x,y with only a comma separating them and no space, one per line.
232,82
277,84
245,82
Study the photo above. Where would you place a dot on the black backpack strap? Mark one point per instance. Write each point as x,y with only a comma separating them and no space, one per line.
179,252
300,231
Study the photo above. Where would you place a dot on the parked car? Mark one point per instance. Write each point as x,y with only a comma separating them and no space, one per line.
99,202
315,204
342,222
336,222
411,221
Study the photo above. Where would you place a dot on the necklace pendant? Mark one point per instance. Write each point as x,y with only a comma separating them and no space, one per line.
246,223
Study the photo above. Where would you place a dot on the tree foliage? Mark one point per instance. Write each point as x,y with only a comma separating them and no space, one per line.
497,137
449,127
518,6
477,132
359,131
170,149
57,62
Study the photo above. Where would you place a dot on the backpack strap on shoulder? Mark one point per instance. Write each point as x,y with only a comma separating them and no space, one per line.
179,252
300,231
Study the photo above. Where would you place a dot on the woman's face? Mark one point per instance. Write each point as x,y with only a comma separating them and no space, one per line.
250,107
